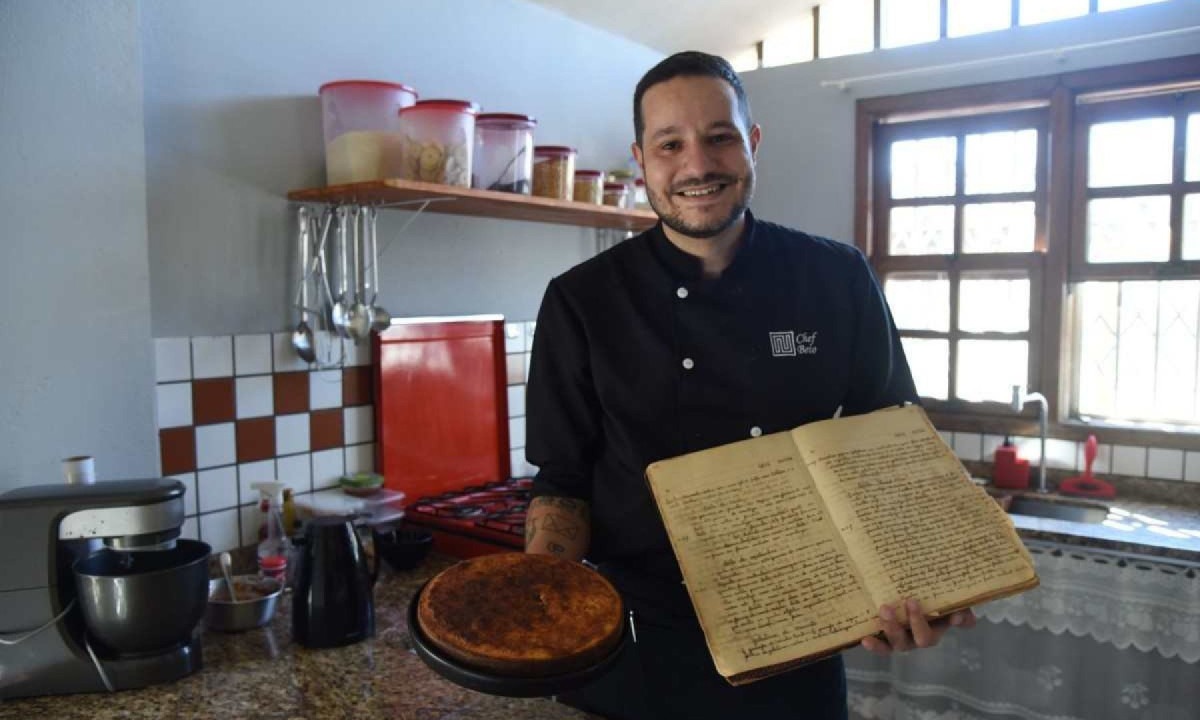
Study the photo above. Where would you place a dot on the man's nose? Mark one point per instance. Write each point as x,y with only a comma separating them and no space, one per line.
698,157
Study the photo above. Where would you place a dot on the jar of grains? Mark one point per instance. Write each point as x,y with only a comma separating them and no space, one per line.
554,171
616,194
589,186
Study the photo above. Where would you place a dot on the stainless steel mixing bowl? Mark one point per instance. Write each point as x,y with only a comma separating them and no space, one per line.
141,602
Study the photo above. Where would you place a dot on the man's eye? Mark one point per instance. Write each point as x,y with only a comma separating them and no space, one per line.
670,145
720,139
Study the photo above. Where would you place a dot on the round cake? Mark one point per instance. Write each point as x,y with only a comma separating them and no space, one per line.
521,615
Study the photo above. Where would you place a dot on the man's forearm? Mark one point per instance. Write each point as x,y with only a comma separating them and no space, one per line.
558,526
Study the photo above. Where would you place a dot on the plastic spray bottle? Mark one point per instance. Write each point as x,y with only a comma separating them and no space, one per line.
274,548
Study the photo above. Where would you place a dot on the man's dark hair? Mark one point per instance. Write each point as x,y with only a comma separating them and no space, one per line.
690,63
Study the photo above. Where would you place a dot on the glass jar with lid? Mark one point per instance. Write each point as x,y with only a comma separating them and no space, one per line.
504,153
626,178
589,186
616,194
439,140
554,171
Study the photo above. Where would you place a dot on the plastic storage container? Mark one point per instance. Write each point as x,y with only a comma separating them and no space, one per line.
626,178
439,140
503,153
616,194
589,186
554,172
640,201
362,130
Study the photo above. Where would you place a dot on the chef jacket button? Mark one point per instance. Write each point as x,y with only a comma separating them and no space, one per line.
688,364
682,292
755,431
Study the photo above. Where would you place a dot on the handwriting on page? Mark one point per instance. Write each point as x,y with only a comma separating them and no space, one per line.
939,540
759,553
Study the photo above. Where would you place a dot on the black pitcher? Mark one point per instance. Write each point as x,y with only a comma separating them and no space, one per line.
333,603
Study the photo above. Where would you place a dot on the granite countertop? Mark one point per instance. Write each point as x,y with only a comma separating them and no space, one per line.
1153,530
262,674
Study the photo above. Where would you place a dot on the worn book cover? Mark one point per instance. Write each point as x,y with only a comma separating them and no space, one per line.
789,543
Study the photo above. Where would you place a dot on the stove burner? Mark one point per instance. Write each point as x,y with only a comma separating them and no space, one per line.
497,505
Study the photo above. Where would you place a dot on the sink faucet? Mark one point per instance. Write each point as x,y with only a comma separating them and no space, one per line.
1019,398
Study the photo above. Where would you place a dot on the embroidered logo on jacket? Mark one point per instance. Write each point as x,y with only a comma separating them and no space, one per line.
791,344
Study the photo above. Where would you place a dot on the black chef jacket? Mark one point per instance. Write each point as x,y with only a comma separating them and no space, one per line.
638,357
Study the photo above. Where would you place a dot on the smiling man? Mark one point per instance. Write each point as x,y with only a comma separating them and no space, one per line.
709,328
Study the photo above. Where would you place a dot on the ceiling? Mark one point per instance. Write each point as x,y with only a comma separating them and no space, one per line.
721,27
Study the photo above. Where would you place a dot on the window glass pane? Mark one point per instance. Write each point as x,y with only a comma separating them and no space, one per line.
1136,229
908,22
968,17
1191,227
993,304
929,360
919,301
789,43
744,60
1119,4
1191,171
1130,152
1097,348
926,230
998,227
923,168
987,369
1138,351
847,27
1040,11
998,162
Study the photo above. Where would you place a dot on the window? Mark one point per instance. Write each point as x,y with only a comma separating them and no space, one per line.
908,22
1039,11
1137,184
845,27
1071,268
971,17
789,43
958,205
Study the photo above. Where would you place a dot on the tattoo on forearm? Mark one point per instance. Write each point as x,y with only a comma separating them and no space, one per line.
571,505
561,525
556,548
530,530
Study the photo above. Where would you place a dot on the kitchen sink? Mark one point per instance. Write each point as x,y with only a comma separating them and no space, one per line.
1057,509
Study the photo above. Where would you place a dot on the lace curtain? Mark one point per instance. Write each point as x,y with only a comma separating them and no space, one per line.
1104,636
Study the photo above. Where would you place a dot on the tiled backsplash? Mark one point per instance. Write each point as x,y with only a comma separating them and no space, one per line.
236,410
1121,460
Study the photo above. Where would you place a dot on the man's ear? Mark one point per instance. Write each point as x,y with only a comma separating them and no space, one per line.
637,155
755,139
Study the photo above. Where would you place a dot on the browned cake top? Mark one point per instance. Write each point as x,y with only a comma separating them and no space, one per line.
521,614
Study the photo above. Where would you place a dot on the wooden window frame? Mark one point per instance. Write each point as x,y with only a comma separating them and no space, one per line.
1058,95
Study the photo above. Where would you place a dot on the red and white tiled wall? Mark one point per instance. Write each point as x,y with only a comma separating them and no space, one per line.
234,410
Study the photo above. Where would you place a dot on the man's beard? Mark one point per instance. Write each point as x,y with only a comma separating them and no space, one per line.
675,221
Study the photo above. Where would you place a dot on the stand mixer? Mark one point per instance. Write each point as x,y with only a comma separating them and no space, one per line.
98,592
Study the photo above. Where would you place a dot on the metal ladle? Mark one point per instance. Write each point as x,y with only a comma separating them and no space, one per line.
340,309
381,319
302,337
358,320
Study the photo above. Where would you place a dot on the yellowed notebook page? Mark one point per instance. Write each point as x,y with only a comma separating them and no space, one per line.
769,578
914,522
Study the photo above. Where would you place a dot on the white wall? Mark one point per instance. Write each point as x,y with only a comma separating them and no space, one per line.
806,162
233,122
76,366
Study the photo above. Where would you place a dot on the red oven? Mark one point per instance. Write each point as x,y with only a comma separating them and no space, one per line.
442,431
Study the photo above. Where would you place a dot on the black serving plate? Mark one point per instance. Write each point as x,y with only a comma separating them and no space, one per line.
506,685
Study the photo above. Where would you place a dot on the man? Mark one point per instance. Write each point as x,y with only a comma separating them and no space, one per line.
711,327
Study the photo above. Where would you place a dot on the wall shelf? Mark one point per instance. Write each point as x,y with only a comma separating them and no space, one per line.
478,203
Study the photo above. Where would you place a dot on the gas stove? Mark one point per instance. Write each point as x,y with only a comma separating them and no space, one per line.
480,518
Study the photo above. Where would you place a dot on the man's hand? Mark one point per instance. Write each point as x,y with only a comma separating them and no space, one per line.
921,634
558,526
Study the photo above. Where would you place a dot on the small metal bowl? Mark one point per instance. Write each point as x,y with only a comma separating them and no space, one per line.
226,616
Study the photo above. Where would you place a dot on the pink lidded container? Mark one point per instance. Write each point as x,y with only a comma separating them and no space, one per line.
439,140
616,194
503,158
554,171
589,187
362,130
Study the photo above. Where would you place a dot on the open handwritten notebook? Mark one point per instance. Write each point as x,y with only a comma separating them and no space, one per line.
790,542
